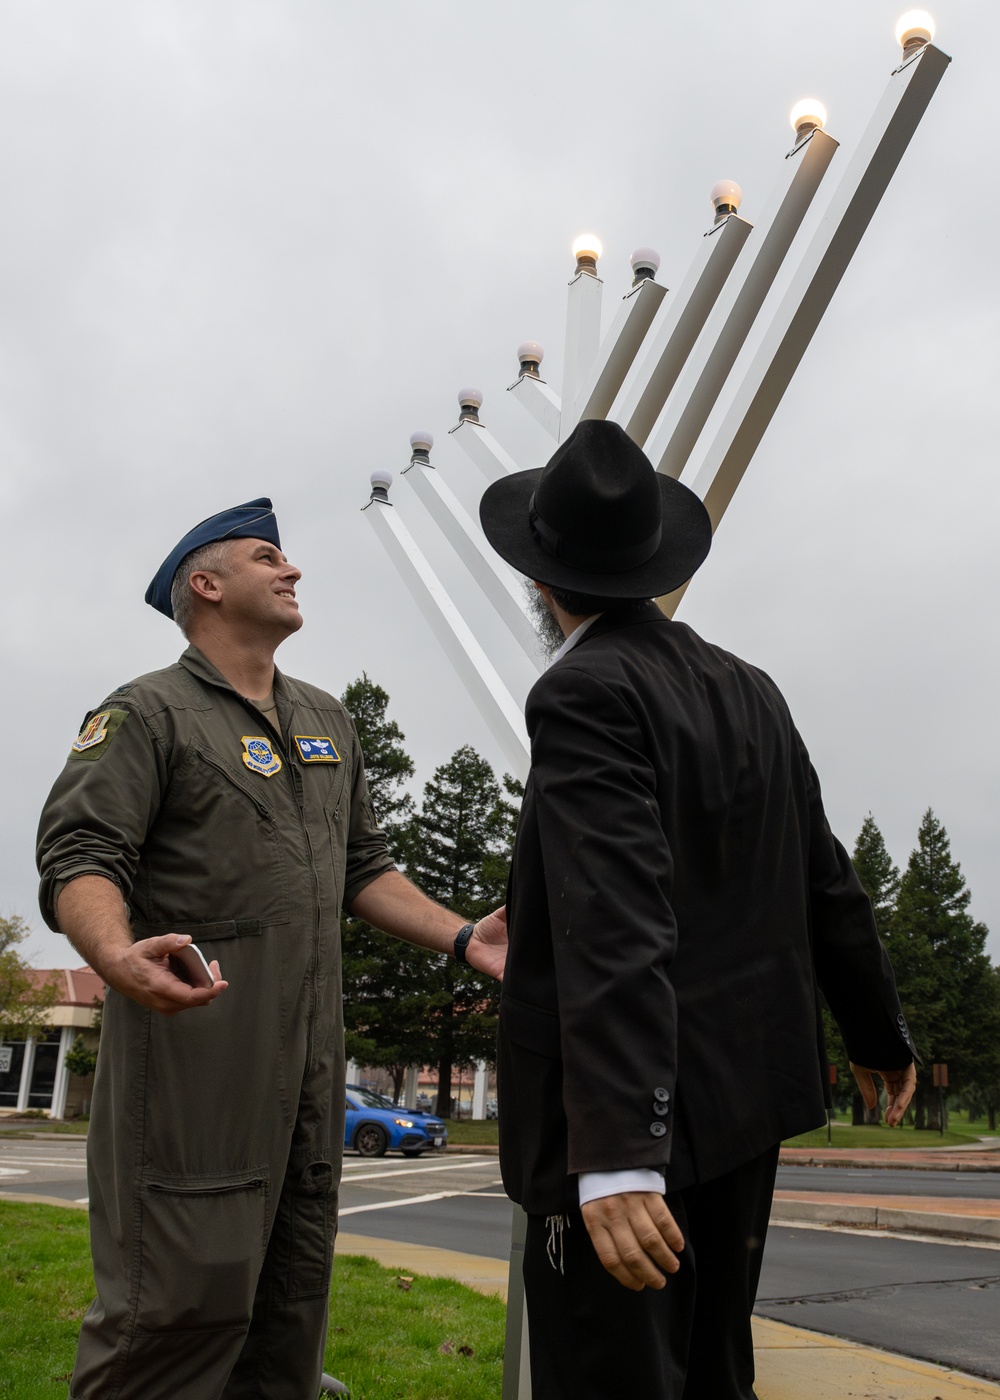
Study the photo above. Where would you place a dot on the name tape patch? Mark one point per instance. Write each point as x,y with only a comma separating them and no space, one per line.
316,748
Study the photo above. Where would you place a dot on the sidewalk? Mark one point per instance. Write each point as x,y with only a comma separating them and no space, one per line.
791,1364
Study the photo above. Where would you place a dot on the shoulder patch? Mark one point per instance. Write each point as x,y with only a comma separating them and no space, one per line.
98,730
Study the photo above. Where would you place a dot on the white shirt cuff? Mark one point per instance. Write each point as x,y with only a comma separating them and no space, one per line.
594,1185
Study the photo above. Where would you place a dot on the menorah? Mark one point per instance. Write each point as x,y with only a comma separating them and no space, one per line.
694,377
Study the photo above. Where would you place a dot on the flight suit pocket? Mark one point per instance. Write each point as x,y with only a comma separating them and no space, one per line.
304,1233
201,1247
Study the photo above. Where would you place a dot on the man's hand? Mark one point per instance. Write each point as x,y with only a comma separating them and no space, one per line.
487,948
899,1086
142,972
635,1237
92,914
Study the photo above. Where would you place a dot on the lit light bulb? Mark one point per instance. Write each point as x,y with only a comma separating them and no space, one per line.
421,441
588,245
915,29
807,115
726,197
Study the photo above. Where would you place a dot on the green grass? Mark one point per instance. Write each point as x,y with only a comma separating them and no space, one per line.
474,1132
385,1342
78,1127
961,1132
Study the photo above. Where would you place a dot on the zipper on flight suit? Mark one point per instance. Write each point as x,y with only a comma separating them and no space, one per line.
284,750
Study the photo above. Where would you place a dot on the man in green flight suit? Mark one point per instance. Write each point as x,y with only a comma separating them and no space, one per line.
220,802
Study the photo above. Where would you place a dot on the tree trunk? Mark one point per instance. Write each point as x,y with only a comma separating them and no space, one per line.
861,1115
920,1107
991,1117
398,1073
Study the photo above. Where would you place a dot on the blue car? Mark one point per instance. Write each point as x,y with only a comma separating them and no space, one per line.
375,1125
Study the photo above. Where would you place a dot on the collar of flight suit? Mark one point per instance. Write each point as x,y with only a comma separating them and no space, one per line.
199,665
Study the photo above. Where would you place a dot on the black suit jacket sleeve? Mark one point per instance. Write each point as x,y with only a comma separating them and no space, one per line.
608,877
852,969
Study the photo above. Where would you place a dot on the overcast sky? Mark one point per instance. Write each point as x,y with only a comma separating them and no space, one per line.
247,248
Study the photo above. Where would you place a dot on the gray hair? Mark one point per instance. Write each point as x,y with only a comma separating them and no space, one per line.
213,557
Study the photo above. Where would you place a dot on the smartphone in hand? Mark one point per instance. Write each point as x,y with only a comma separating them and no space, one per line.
189,965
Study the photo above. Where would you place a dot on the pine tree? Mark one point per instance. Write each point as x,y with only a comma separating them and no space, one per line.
877,873
458,852
938,952
880,879
385,1005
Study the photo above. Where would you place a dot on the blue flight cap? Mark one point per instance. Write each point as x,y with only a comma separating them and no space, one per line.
253,520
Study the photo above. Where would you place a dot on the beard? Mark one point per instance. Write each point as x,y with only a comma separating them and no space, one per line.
550,634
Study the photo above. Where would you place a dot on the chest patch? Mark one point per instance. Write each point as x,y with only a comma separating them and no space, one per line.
316,748
259,756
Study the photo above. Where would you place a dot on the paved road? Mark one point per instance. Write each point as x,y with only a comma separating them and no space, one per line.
939,1302
883,1181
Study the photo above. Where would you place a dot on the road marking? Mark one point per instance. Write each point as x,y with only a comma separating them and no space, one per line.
13,1171
879,1234
414,1171
407,1201
39,1162
82,1201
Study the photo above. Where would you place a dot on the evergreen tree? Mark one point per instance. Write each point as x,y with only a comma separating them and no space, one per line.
385,1004
877,873
944,973
458,852
387,764
880,879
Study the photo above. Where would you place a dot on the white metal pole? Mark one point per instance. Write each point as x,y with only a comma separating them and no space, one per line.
482,447
61,1084
737,309
677,328
541,401
502,712
27,1071
760,389
498,583
618,350
583,340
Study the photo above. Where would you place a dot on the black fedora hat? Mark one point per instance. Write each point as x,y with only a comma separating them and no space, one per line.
598,519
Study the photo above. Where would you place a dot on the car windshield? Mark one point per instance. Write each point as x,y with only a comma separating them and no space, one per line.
370,1099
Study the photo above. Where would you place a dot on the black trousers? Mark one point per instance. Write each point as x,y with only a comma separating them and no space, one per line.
592,1338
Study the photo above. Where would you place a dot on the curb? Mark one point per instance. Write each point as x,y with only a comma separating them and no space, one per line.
888,1218
868,1165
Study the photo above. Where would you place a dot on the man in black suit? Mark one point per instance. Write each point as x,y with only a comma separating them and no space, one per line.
676,898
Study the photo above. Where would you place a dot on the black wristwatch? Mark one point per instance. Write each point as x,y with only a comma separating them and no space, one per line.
462,941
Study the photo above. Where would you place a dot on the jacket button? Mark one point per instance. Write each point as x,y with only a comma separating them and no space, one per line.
662,1109
657,1129
661,1095
901,1020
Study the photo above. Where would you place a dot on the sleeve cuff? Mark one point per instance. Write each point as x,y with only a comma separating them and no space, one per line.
594,1185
